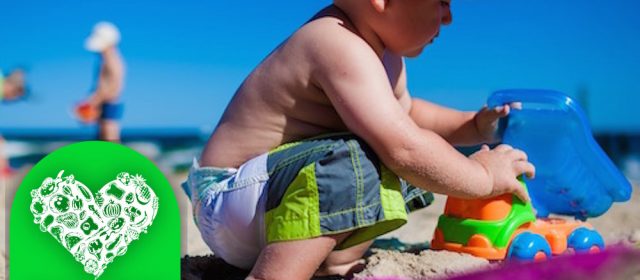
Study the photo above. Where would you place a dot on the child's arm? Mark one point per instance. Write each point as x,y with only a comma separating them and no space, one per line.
353,78
458,127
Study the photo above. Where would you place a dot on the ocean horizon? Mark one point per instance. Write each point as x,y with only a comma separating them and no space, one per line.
90,133
175,147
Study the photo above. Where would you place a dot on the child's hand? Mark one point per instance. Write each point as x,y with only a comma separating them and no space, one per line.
86,112
504,164
486,120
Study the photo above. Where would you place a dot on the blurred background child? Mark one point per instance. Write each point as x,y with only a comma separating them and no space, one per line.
12,88
103,105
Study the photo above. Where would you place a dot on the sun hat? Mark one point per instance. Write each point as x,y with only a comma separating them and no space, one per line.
104,35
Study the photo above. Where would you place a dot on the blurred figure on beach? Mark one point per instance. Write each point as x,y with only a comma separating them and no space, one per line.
5,169
12,88
103,105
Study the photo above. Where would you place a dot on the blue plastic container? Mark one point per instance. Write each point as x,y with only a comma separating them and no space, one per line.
574,176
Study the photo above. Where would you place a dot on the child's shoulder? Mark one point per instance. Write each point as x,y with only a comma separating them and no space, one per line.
331,36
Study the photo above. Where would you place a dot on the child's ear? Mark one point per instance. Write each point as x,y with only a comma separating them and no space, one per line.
379,5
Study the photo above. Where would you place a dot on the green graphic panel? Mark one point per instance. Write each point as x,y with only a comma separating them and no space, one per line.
94,209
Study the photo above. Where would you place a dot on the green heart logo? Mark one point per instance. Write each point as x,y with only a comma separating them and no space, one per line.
95,229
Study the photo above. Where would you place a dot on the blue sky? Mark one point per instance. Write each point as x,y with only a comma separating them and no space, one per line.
186,58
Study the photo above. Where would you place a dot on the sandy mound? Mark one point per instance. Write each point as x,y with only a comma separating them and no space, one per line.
427,264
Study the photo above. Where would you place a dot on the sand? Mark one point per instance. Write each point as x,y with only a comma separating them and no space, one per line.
621,224
426,264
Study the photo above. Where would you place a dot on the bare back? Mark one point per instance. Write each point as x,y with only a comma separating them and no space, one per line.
280,102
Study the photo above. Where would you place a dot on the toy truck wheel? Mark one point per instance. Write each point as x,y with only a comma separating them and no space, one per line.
528,246
583,240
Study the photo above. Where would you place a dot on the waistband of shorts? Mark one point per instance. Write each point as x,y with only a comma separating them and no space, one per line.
201,178
211,171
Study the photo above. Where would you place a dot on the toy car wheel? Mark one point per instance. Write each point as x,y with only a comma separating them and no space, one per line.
529,246
583,240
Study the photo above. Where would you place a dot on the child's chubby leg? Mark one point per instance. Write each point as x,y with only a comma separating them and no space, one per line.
344,262
109,131
300,259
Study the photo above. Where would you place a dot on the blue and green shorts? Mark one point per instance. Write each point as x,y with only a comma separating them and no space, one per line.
321,186
112,111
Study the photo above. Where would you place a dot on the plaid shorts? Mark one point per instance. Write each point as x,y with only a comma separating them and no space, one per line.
301,190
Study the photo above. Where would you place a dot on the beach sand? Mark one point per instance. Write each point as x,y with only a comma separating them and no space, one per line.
621,224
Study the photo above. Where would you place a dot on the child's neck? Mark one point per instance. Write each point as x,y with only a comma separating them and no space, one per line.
362,28
110,51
